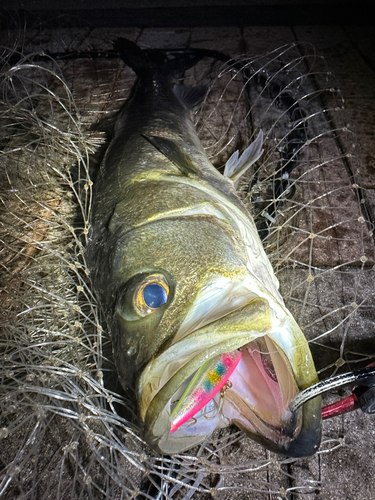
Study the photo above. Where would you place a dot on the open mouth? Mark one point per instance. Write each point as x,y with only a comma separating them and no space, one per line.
255,395
253,391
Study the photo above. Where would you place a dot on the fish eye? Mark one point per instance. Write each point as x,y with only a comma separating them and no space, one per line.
150,294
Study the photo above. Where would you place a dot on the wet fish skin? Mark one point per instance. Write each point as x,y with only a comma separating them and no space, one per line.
162,211
129,192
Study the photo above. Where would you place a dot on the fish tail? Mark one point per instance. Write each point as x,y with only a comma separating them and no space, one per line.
151,62
142,62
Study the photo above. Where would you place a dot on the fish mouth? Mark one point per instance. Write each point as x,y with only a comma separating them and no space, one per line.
256,396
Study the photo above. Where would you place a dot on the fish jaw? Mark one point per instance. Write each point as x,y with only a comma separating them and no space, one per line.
259,391
265,406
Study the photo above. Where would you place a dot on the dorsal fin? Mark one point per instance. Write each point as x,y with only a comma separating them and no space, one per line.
238,165
174,153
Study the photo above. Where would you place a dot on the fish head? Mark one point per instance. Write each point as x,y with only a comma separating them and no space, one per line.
185,293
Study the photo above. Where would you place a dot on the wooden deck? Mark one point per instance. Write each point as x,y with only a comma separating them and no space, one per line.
343,469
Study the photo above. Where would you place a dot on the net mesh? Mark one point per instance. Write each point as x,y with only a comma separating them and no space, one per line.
66,427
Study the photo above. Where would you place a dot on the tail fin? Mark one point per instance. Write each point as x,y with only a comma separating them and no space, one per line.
140,62
149,62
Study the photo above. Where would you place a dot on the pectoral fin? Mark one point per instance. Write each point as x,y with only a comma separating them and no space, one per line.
238,165
174,153
192,97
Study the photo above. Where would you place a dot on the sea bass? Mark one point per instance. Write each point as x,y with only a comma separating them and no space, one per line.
198,325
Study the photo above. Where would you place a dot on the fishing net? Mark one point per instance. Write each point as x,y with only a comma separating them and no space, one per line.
67,430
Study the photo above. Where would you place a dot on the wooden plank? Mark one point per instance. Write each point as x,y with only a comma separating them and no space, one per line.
356,80
100,87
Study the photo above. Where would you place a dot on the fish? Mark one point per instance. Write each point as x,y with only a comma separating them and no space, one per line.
183,279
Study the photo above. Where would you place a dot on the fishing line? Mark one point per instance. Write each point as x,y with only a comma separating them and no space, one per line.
57,412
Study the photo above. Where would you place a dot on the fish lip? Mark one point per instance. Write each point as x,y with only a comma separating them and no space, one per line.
300,433
197,347
299,437
260,395
307,442
264,321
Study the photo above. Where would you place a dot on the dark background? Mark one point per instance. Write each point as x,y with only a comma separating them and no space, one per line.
188,13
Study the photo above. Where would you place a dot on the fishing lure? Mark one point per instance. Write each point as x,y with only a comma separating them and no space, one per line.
205,384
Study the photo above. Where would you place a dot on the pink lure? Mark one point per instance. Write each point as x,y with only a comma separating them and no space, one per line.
205,384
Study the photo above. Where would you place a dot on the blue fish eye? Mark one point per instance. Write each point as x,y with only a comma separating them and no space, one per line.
155,295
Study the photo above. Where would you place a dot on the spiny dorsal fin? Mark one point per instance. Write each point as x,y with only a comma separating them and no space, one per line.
238,165
190,96
174,153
